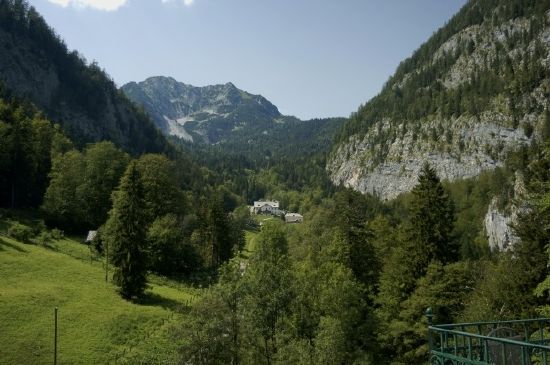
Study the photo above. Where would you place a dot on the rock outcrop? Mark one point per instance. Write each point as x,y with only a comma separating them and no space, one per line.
472,101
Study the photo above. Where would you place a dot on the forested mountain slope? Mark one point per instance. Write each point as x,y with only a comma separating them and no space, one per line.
36,65
475,91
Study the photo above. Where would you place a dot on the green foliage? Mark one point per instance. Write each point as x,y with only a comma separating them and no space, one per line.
57,234
215,328
104,165
269,278
471,199
169,252
20,232
421,244
28,144
218,235
162,189
44,238
432,220
534,229
81,184
62,202
444,289
288,141
126,234
350,215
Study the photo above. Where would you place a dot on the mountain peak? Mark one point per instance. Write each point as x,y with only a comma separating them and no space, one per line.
210,113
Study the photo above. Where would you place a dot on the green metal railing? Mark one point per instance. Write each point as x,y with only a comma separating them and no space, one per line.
519,342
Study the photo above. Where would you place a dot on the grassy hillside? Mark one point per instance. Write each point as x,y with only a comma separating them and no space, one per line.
95,325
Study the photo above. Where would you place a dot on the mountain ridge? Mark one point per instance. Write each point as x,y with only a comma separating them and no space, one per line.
477,90
202,114
36,66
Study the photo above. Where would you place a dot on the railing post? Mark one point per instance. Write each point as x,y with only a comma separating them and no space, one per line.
429,316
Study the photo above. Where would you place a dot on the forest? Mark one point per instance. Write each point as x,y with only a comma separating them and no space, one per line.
350,285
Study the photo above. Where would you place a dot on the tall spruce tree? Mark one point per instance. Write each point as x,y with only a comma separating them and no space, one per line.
126,234
432,220
423,240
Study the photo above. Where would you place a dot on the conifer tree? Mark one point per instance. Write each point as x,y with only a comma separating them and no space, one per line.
432,220
126,234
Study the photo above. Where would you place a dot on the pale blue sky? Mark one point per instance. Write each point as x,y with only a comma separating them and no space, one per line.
311,58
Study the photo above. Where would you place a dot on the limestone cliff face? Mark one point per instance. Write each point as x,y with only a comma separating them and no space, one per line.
498,228
492,111
499,221
467,147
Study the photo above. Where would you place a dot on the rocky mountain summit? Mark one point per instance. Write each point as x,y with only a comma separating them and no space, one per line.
474,92
207,114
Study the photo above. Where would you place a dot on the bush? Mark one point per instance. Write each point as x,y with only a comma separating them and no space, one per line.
57,234
44,238
20,232
38,228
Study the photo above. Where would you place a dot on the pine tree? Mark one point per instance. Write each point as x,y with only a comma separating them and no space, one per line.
126,234
432,220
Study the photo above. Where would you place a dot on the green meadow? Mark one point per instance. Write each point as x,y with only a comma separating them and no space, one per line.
95,325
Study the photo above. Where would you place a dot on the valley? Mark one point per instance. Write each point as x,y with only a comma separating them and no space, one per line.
433,194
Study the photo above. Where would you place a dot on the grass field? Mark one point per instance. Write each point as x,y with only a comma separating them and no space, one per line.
96,326
250,245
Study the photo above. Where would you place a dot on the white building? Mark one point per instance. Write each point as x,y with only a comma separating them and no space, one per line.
266,207
294,218
91,236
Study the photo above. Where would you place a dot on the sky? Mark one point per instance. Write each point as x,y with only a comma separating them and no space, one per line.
311,58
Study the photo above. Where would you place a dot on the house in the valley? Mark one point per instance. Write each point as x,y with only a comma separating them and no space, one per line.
91,236
267,207
294,218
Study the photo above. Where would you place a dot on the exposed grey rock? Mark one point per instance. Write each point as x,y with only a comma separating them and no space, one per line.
499,222
209,114
463,148
386,159
498,227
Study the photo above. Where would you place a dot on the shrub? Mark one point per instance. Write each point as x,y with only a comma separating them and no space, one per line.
38,228
57,234
44,238
20,232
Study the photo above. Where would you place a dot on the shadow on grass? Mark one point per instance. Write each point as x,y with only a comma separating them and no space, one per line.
3,243
153,299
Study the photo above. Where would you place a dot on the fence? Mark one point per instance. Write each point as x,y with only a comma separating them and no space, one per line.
518,342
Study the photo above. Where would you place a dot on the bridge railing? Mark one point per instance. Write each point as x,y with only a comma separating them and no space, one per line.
518,342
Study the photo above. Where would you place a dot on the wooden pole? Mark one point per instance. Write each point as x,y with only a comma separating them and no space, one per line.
55,338
106,261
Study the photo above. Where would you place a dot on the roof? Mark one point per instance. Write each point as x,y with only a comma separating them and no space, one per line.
263,203
91,236
293,215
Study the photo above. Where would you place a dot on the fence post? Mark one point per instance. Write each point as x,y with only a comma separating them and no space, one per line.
429,316
55,338
106,262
